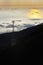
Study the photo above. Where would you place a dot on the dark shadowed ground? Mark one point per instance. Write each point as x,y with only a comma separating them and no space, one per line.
25,46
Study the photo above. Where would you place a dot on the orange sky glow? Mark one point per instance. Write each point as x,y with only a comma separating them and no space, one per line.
22,5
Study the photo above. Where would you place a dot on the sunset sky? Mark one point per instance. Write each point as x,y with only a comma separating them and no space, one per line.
22,3
19,10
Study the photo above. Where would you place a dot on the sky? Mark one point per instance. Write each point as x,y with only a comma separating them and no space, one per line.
23,3
6,16
12,14
15,14
21,0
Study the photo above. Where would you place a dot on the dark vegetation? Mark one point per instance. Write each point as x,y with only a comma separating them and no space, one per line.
25,46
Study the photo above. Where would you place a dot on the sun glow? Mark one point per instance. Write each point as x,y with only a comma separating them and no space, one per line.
35,14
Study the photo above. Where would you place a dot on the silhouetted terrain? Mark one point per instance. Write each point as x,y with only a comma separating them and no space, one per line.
25,46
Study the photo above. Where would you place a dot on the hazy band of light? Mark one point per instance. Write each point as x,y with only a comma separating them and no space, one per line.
22,4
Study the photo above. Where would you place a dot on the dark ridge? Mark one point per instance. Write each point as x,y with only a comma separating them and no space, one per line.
25,46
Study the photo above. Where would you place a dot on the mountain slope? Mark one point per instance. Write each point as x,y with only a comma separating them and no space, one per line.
28,48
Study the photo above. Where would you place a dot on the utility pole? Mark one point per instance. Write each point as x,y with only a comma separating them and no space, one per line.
13,25
13,40
13,35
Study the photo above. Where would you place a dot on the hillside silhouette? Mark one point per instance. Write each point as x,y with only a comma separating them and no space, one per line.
25,46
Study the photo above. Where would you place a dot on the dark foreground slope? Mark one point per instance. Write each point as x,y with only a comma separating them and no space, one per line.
25,46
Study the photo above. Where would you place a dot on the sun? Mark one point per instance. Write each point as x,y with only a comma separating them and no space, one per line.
34,14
